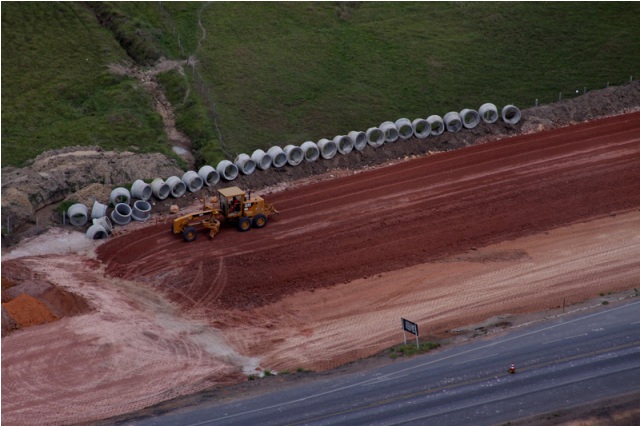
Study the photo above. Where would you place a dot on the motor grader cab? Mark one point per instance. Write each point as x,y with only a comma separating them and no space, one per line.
237,207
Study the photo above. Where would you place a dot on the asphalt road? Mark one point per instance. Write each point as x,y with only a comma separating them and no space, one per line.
561,363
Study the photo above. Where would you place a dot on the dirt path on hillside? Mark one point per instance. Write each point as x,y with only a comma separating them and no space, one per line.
487,232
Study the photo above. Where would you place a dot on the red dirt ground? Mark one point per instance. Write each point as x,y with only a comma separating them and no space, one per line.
395,217
513,226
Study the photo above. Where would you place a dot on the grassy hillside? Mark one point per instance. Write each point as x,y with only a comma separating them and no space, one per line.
279,73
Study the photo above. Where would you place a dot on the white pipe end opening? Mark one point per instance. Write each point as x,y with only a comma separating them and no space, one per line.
245,164
78,214
177,186
209,175
161,190
452,121
295,154
488,113
278,156
390,131
405,128
436,125
192,181
344,144
511,114
98,210
120,195
375,136
328,149
470,118
359,139
227,170
96,232
311,151
121,214
421,128
141,190
262,159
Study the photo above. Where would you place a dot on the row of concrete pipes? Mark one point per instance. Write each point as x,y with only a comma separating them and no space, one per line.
387,132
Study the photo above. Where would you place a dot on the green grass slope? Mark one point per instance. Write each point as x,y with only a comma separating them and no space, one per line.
278,73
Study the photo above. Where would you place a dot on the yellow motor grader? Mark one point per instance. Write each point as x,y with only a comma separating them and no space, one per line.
236,206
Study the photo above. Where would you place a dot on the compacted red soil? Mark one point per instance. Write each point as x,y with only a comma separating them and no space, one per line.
395,217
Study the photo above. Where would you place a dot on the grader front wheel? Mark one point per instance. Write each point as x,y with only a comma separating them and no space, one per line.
189,234
259,221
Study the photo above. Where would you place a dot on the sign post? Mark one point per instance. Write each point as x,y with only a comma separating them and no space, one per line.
411,327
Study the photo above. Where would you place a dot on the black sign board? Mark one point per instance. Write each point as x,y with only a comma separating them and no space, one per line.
409,326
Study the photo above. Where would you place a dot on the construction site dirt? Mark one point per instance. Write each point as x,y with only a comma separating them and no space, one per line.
457,242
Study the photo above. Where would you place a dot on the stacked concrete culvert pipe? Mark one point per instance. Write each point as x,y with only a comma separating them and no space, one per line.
390,131
96,232
511,114
160,189
470,118
120,195
452,121
295,154
359,139
121,214
262,159
344,144
105,223
177,186
375,136
192,181
98,210
488,112
209,175
278,156
141,190
141,211
421,128
405,129
436,124
78,214
227,170
245,164
311,151
328,149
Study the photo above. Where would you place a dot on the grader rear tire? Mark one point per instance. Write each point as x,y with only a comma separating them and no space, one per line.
259,221
244,224
189,234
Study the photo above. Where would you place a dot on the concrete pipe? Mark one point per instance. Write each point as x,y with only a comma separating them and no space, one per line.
160,189
470,118
311,151
141,190
192,181
227,170
96,232
262,159
489,113
245,164
344,144
452,121
421,128
178,188
121,214
105,223
511,114
98,210
328,149
295,154
390,131
375,136
120,195
436,125
405,128
278,157
78,214
359,139
209,175
141,211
